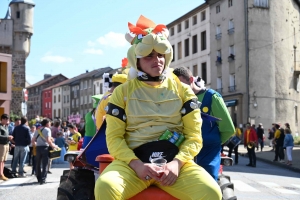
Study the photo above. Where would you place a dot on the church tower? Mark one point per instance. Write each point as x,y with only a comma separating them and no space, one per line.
21,13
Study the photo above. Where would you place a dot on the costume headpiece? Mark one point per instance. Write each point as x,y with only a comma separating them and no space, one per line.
96,99
120,78
148,37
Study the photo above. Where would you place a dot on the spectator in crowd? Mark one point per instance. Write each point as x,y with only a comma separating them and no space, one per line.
288,144
278,141
73,140
30,155
250,141
287,125
42,140
270,138
11,126
12,144
55,129
260,136
4,146
60,142
21,139
238,134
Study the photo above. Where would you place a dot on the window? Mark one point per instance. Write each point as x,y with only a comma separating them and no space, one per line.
54,99
49,104
178,28
72,103
173,47
261,3
195,70
172,31
54,91
195,20
203,40
204,71
64,99
231,50
46,105
90,83
54,111
186,24
77,102
203,16
90,99
179,50
231,83
18,14
195,44
85,84
219,84
218,9
101,86
219,57
229,3
81,100
81,85
186,47
218,32
59,98
75,92
68,99
231,24
85,100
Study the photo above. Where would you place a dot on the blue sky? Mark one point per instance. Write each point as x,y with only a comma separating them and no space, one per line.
72,36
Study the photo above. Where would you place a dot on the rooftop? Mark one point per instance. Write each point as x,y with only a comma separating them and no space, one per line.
23,1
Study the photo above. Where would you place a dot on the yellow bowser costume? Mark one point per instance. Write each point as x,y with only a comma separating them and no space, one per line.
140,113
100,110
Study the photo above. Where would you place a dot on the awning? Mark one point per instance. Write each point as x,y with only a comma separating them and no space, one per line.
230,103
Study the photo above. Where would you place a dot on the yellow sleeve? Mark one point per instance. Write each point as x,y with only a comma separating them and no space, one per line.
115,131
100,112
277,134
192,123
238,132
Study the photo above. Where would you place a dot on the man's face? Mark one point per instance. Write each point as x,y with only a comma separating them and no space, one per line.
33,129
248,126
4,121
183,80
17,122
153,64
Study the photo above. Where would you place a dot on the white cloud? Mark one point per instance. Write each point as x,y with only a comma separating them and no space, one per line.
113,39
91,44
93,51
56,59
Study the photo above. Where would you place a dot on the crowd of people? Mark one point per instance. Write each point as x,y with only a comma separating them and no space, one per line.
30,145
279,137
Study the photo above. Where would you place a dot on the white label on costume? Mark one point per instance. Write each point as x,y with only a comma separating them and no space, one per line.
156,155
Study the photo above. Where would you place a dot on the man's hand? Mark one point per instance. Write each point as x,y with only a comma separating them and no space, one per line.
10,137
143,169
171,173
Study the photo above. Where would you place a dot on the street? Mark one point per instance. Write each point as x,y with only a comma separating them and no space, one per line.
266,181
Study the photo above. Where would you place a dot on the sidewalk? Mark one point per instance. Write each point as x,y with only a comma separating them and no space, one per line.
268,156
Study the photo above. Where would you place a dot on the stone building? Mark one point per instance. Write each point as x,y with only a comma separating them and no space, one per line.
35,94
189,36
255,60
16,30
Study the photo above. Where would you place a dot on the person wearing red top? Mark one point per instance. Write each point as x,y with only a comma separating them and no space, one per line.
250,141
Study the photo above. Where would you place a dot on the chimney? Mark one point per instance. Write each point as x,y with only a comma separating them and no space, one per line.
86,71
47,76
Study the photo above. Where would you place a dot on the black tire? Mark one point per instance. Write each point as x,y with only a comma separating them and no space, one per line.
76,184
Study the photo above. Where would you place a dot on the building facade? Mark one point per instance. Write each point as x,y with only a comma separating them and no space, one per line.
16,30
254,46
34,107
5,83
189,37
47,103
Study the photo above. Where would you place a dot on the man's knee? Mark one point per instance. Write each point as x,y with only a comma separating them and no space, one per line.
105,188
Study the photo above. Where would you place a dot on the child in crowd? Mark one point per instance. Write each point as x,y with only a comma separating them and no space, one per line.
60,142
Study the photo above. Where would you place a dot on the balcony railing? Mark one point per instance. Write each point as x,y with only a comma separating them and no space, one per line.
232,88
219,90
230,31
218,61
231,58
218,36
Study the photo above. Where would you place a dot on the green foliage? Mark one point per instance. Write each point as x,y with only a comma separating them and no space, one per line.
13,116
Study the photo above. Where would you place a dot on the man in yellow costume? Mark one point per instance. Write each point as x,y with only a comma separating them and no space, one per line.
139,112
117,79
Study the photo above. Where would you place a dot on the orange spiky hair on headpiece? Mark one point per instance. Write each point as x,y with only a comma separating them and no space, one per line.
124,62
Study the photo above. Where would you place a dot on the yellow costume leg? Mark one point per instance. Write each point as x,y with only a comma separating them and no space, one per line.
194,183
118,181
